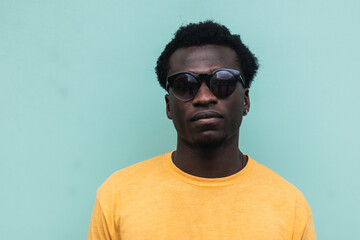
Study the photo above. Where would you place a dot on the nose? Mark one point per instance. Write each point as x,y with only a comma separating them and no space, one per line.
204,96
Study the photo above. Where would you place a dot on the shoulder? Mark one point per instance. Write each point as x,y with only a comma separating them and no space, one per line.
284,197
145,172
277,188
269,179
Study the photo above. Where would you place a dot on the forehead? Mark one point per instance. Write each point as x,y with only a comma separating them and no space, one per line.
202,59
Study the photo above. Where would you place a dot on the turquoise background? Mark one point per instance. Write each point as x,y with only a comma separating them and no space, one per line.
79,100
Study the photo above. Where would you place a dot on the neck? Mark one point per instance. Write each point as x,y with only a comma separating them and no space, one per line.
221,161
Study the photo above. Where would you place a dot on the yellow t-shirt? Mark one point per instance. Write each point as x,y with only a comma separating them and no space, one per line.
156,200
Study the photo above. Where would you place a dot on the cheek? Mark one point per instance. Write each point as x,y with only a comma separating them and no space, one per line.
236,108
178,113
174,109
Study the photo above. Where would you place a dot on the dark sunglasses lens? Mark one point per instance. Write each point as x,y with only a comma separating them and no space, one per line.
185,86
222,84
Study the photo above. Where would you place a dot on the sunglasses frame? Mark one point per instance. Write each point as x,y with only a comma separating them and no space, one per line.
206,76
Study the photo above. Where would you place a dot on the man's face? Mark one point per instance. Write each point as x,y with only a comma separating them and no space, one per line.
206,121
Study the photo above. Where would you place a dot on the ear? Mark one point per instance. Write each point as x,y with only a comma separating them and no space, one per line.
168,111
246,102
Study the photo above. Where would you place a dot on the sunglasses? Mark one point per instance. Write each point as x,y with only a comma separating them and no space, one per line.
221,82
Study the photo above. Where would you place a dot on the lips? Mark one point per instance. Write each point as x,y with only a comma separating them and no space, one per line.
205,115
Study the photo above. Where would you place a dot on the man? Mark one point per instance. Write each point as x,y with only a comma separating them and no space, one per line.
207,188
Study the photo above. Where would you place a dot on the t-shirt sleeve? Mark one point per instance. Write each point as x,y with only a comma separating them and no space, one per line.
99,226
303,220
309,230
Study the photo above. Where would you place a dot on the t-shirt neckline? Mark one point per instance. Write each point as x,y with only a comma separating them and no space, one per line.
207,182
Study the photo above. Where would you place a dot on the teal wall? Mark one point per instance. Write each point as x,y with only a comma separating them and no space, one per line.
79,100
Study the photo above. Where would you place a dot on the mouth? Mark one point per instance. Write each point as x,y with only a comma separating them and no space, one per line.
205,115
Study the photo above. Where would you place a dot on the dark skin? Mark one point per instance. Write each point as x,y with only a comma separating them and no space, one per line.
207,147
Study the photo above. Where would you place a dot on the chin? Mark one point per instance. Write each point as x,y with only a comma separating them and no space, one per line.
209,142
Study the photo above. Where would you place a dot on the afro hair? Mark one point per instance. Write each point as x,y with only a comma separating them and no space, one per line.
204,33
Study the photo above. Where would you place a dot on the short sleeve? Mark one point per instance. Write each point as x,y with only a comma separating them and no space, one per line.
303,225
309,230
99,227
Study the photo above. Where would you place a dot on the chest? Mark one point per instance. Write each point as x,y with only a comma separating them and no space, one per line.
203,213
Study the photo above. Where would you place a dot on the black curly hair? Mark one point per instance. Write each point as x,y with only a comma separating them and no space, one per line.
203,33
